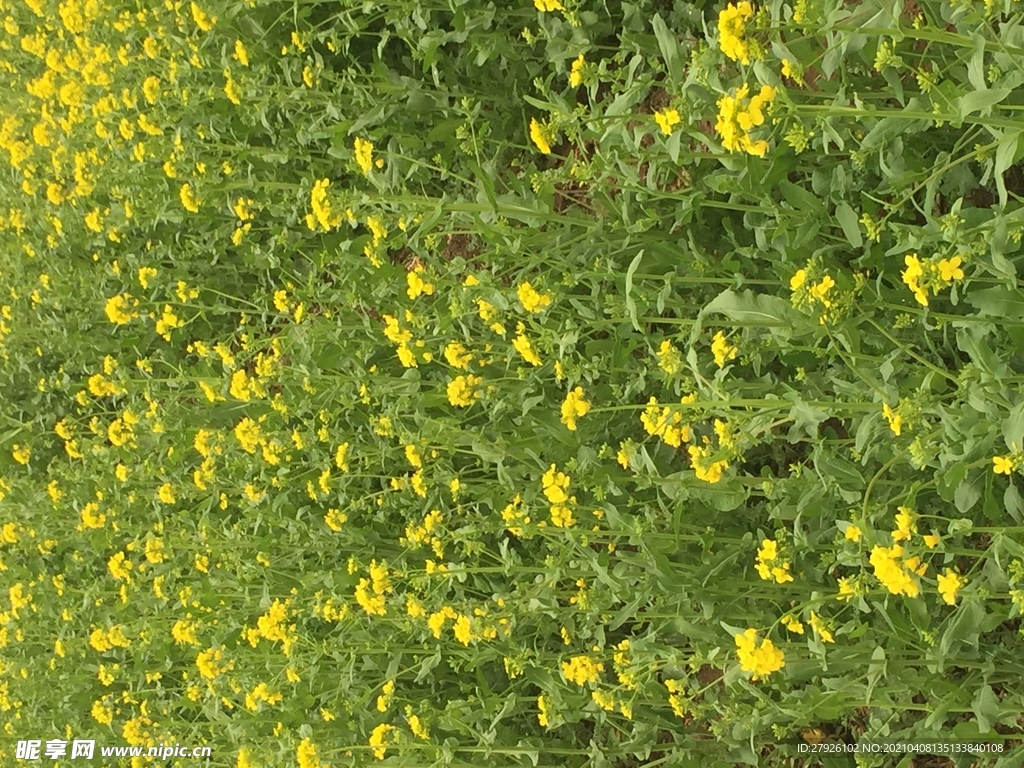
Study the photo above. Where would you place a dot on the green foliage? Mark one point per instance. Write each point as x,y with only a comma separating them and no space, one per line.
564,384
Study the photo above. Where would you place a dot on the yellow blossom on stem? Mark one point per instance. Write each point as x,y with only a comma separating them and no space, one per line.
573,407
950,583
731,23
538,133
666,120
760,660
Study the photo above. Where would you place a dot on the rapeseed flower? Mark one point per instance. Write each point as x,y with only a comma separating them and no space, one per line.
818,625
322,216
306,755
722,350
576,72
573,407
209,663
1003,465
666,120
531,299
380,738
950,583
710,473
581,670
731,27
895,573
737,116
539,134
204,21
770,565
189,199
760,660
364,155
669,358
462,391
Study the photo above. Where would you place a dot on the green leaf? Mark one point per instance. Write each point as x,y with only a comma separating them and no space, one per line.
847,219
669,48
981,101
876,671
630,303
976,66
753,309
986,708
966,496
1005,154
999,301
1013,427
963,627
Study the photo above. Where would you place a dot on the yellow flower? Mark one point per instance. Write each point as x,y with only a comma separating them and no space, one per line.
231,88
120,567
796,282
722,350
895,421
189,198
522,345
791,623
21,454
532,300
949,269
379,740
387,693
117,309
853,533
537,131
145,275
306,755
581,670
543,707
548,5
669,358
818,625
760,660
241,55
1002,465
731,23
949,584
166,493
770,566
666,119
895,574
576,73
905,525
201,19
573,407
462,390
364,155
417,285
792,71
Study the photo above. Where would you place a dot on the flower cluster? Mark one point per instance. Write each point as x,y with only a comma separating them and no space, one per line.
737,117
771,566
896,572
761,659
371,593
933,275
813,287
556,489
667,422
582,670
731,28
573,407
722,350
